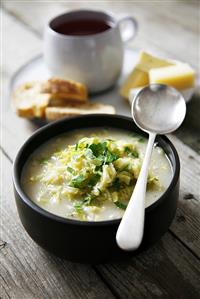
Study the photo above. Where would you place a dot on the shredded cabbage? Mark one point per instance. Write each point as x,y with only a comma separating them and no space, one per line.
90,172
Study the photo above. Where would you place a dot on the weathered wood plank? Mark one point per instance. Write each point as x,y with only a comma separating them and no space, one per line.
156,24
156,21
14,34
166,270
29,272
24,265
12,141
189,132
186,225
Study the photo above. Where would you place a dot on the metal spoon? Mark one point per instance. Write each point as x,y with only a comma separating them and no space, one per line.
156,109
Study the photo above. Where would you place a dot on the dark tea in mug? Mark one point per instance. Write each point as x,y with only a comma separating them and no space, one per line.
82,26
87,46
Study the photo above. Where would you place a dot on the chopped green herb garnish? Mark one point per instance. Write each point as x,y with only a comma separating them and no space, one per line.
93,180
131,152
78,182
43,161
98,149
125,168
134,153
110,157
99,160
120,205
99,190
116,184
127,149
98,167
88,199
78,206
85,202
141,140
71,170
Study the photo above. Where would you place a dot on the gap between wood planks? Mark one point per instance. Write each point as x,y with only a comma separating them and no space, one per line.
158,252
170,230
22,277
21,21
3,148
5,154
99,273
17,14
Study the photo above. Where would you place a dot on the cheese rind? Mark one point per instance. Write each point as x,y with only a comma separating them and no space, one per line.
180,76
139,76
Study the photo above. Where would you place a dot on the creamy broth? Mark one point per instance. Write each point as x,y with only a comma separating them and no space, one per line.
62,203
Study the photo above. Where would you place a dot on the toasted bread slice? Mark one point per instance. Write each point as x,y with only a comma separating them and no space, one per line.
63,91
31,99
28,102
53,113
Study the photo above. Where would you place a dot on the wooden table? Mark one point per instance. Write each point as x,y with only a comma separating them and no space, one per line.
171,268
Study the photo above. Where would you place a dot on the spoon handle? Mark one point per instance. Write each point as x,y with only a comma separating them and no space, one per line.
130,231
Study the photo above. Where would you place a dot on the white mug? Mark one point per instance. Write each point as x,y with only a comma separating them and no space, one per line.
94,59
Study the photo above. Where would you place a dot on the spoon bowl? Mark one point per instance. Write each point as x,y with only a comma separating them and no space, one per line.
156,109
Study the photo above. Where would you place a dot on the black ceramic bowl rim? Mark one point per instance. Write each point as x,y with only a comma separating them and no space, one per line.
38,209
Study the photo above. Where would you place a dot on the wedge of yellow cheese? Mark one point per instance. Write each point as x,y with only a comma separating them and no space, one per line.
180,76
140,75
137,78
146,62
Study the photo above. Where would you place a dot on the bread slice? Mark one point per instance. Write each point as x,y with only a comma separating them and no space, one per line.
31,99
53,113
63,91
28,102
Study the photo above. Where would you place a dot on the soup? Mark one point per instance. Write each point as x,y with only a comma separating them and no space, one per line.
90,174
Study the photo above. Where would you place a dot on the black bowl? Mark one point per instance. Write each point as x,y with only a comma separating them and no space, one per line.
91,242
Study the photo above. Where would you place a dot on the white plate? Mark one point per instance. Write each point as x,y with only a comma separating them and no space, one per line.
35,69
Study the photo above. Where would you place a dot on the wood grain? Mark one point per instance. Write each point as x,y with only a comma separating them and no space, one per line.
27,271
166,270
156,22
186,225
170,269
13,141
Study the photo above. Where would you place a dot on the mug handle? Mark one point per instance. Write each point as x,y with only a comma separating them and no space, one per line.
128,27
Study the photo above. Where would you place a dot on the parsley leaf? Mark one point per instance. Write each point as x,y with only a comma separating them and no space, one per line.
93,180
43,161
102,154
120,205
131,152
78,206
134,153
88,199
110,157
127,149
116,184
141,139
71,170
98,149
98,168
78,182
